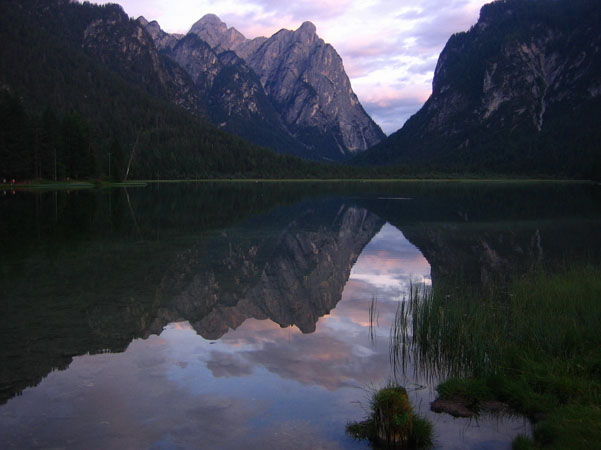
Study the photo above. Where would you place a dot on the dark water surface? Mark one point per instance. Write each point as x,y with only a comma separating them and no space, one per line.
237,315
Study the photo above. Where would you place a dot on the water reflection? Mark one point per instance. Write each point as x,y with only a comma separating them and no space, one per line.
237,313
289,266
391,263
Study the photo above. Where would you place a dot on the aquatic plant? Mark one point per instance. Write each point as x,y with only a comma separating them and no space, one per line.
534,345
392,424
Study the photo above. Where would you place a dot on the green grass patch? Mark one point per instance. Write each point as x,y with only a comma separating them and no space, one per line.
535,345
47,185
392,424
123,184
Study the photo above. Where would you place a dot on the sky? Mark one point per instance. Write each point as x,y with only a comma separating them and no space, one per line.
389,47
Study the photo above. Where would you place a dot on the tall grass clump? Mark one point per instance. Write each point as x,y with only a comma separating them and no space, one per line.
392,424
535,345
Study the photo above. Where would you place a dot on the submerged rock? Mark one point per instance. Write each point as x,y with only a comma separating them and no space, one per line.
458,407
455,407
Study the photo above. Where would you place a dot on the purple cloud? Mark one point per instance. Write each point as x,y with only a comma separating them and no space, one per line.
384,43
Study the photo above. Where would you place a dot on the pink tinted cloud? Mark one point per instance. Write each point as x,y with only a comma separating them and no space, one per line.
387,97
306,9
404,37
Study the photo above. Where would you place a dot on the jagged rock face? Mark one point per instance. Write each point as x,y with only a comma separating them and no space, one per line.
233,93
237,81
114,40
213,31
128,49
514,93
518,84
197,59
162,40
223,78
302,77
307,81
216,33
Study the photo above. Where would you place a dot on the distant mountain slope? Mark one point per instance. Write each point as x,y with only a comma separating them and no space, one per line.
233,95
306,79
303,91
518,93
84,82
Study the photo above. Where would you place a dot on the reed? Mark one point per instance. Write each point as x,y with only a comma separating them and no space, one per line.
535,345
373,319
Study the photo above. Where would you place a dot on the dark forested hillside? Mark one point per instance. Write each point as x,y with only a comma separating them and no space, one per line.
520,93
79,82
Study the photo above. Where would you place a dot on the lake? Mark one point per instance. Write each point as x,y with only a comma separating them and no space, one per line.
250,315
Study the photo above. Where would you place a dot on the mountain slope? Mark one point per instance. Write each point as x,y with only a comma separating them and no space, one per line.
233,94
306,79
95,71
518,93
302,78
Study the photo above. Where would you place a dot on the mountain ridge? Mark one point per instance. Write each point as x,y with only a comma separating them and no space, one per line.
303,78
515,94
84,90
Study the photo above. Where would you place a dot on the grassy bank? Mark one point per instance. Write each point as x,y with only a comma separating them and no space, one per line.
535,345
69,185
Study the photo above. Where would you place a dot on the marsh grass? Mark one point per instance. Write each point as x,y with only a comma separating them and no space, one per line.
400,340
535,345
391,423
373,319
47,185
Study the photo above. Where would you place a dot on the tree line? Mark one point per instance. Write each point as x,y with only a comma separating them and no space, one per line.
46,145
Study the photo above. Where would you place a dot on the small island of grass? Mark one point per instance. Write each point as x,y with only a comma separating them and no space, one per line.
392,423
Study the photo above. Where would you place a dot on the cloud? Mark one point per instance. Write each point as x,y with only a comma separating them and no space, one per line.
388,106
119,401
302,10
227,365
390,263
382,42
327,358
317,359
423,68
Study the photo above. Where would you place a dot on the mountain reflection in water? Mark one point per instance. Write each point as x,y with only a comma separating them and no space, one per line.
181,282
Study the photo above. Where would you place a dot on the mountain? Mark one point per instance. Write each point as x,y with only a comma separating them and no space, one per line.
233,95
216,33
518,93
306,79
292,83
83,87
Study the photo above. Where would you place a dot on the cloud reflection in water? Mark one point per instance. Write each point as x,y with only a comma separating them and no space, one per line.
259,386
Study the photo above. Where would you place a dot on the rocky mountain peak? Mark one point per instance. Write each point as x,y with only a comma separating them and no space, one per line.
152,27
216,33
162,40
307,31
210,21
306,78
299,76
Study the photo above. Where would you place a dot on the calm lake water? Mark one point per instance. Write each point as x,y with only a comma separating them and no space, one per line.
237,315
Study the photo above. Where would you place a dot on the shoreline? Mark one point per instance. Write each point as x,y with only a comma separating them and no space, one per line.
94,184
